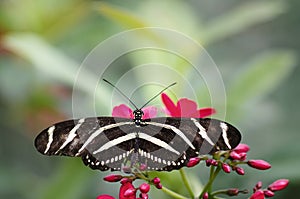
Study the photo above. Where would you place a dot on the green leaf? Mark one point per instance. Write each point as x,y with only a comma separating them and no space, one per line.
54,64
120,16
241,18
261,76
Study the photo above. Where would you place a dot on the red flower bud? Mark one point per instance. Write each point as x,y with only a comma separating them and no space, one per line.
156,180
214,162
129,192
104,196
144,196
240,171
205,195
234,155
143,167
242,148
144,188
258,185
158,186
193,161
232,192
258,195
243,156
125,180
259,164
226,168
113,178
278,185
208,162
269,193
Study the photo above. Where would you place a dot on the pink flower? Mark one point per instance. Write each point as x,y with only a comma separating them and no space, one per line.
126,112
184,108
278,185
259,164
226,168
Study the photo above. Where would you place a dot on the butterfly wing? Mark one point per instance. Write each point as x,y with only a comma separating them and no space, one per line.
158,143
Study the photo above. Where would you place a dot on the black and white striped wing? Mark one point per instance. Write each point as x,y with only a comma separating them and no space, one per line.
158,143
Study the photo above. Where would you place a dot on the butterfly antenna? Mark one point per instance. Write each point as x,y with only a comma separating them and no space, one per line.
121,93
158,94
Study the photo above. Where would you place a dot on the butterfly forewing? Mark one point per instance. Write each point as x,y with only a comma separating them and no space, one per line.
165,143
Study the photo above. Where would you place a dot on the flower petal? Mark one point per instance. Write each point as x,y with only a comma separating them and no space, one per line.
149,112
169,104
187,108
204,112
122,111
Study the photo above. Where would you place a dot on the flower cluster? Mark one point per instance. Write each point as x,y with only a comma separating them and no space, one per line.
226,161
260,193
127,189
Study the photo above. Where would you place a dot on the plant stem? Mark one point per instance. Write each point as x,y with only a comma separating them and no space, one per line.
186,182
212,177
172,193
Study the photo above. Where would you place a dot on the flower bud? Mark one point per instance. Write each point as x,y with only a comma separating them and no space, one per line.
105,196
129,192
208,162
158,186
125,180
214,162
205,195
226,168
113,178
243,156
232,192
258,185
239,171
242,148
234,155
258,195
144,188
259,164
193,162
144,196
278,185
269,193
143,167
156,180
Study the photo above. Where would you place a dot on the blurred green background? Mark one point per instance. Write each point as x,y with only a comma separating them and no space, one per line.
255,44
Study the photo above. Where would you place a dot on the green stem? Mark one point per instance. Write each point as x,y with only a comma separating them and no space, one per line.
172,193
213,175
186,183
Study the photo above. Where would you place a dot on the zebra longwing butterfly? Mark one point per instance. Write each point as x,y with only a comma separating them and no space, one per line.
162,144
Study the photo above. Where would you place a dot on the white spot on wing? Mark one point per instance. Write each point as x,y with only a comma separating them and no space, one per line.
202,131
50,138
224,128
71,135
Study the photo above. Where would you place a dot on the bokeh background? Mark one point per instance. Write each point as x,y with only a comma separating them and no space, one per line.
255,45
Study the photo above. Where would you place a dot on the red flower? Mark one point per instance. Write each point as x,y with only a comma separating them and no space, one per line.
126,112
278,185
184,108
127,191
259,164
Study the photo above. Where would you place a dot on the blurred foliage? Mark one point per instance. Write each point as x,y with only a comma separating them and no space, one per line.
42,43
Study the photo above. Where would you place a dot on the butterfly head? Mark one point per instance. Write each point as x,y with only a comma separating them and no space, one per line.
138,114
